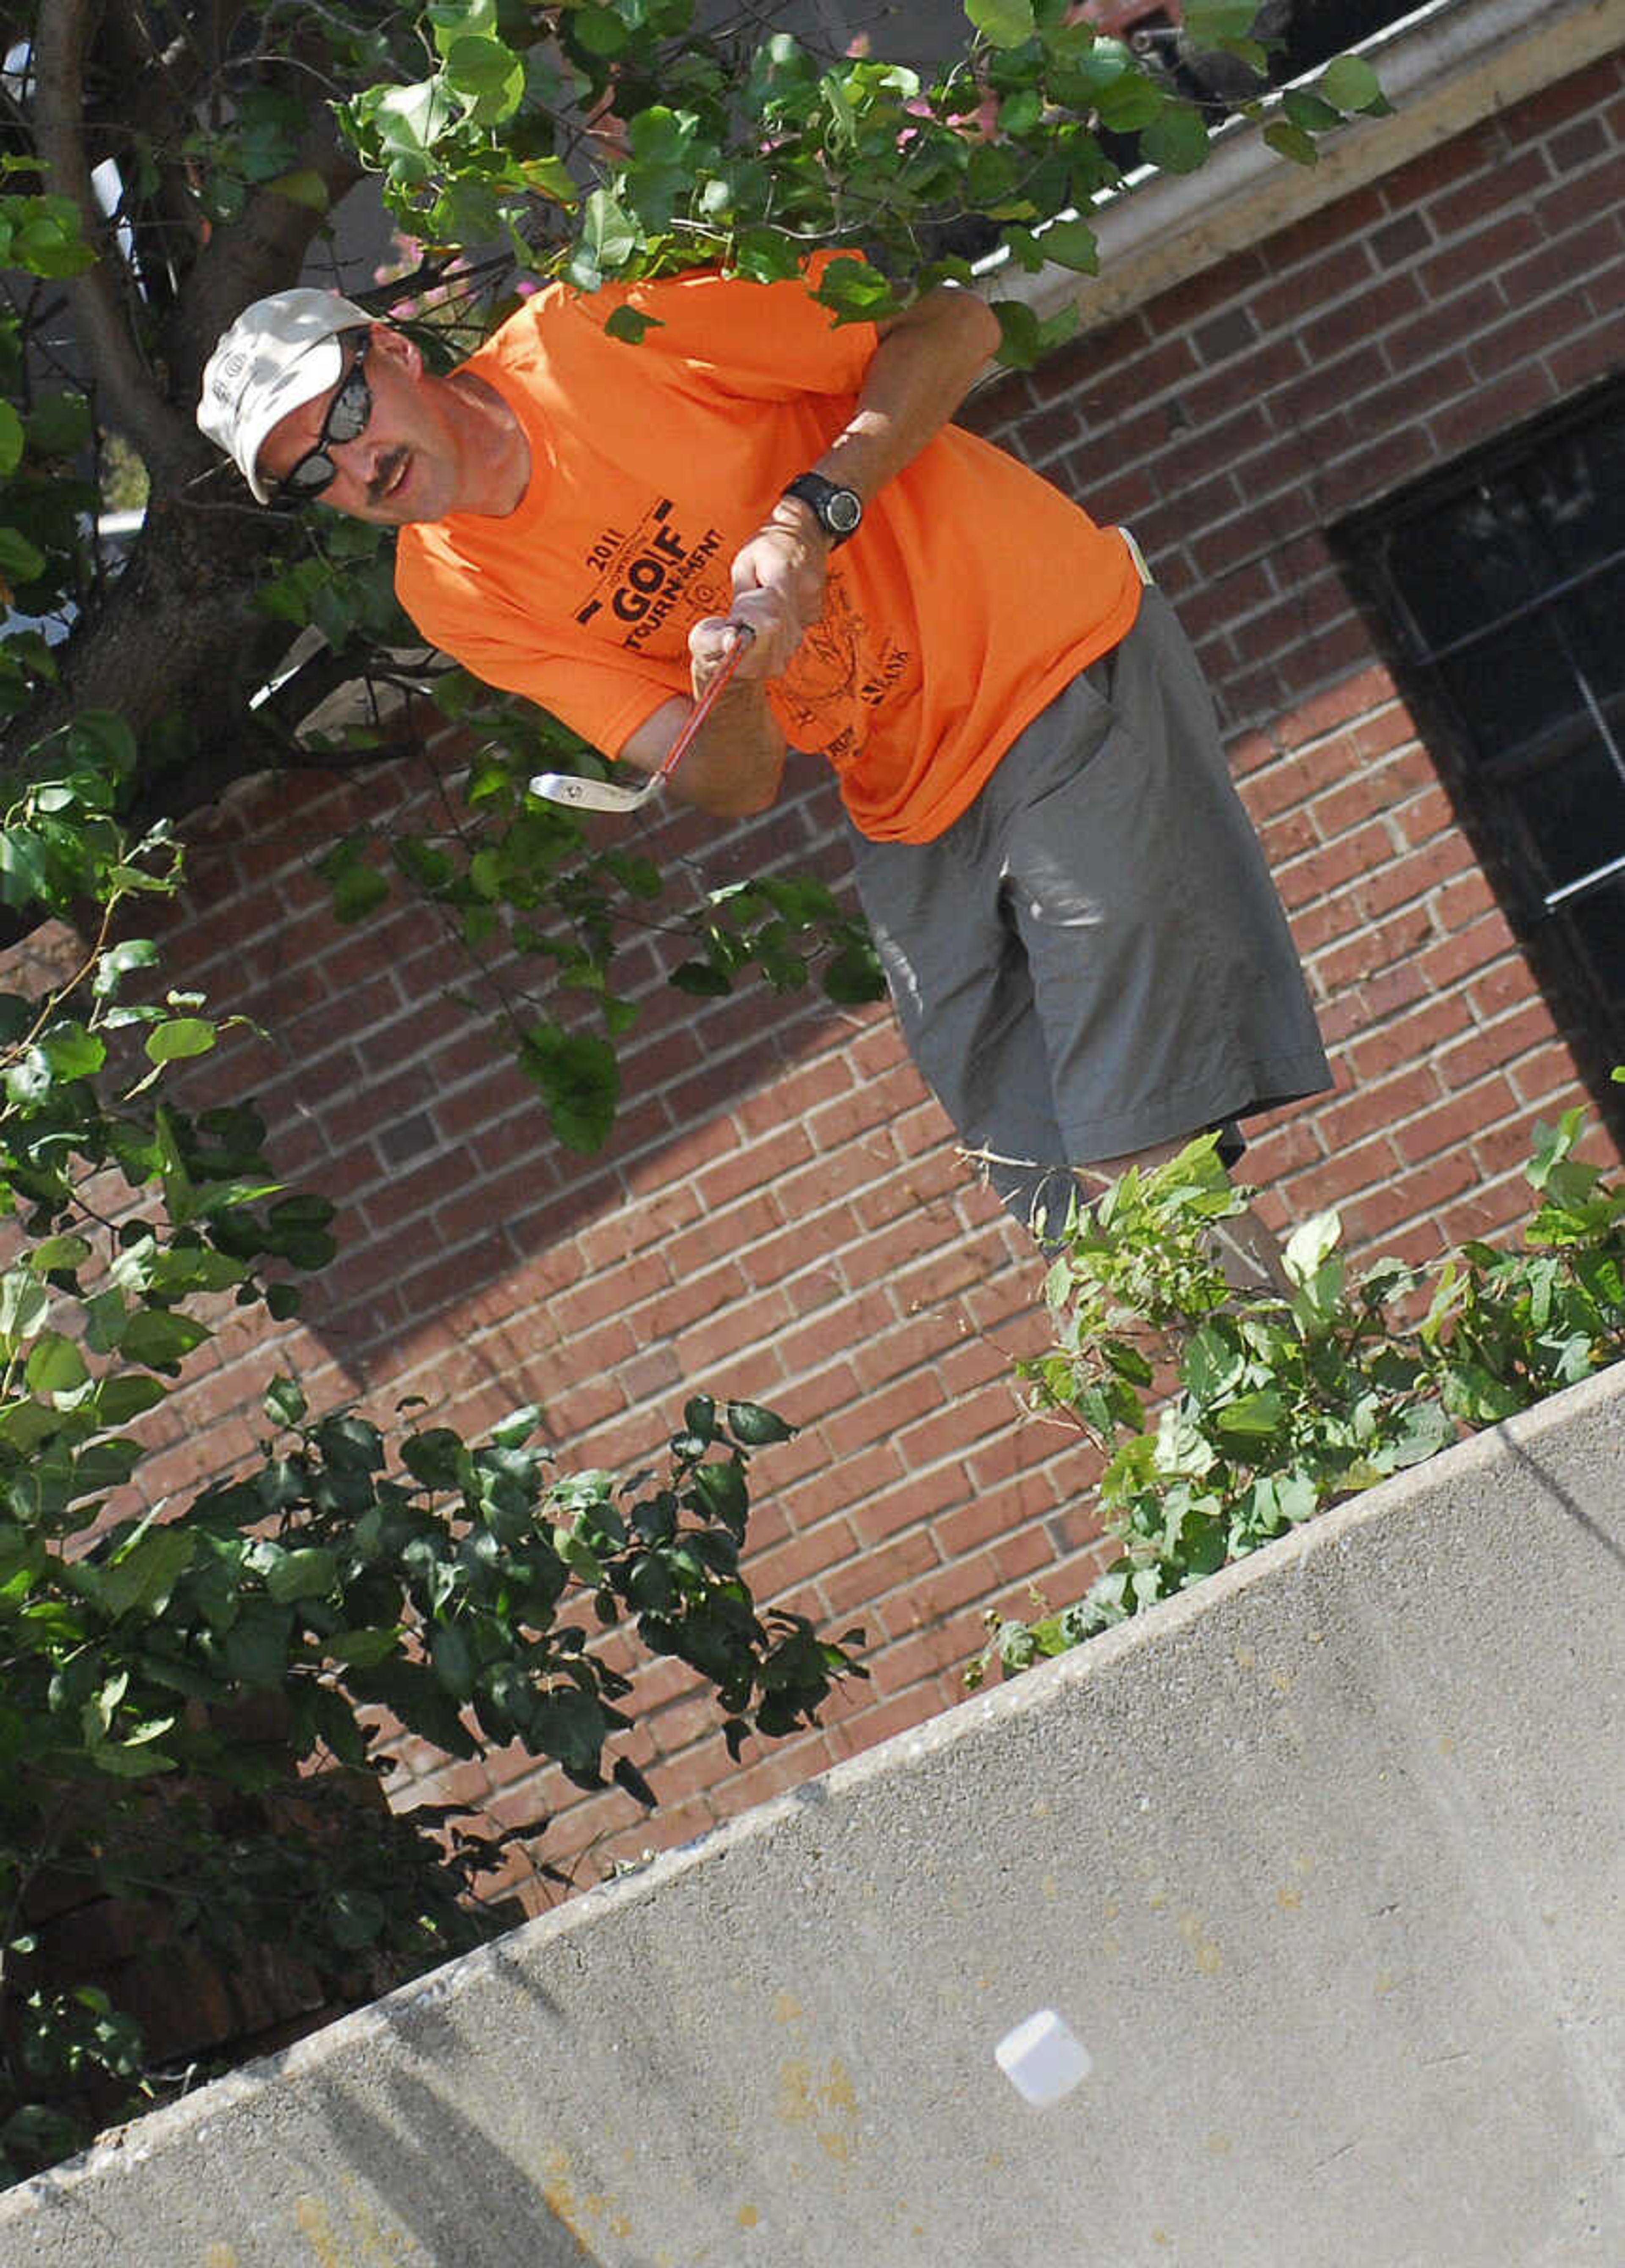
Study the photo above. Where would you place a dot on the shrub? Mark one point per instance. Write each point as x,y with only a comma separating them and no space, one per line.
1274,1408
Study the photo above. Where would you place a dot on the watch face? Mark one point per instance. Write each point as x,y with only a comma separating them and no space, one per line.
842,511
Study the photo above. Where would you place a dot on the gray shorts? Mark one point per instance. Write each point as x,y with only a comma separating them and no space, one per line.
1093,958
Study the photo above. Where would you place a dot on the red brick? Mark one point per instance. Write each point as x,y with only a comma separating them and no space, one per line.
1502,1042
1491,409
1582,360
920,1499
1575,198
1418,1036
1367,462
1222,392
1487,1213
1334,380
742,1324
1338,1178
1342,265
1334,866
848,1590
1565,98
1376,1108
1372,787
1501,988
828,1490
792,1564
1454,1122
877,1416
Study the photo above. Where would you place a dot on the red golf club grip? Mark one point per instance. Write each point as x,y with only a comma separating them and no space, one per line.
743,637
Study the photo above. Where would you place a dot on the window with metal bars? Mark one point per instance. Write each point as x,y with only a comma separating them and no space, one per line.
1497,587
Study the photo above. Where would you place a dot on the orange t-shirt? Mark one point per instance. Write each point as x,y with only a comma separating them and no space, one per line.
971,594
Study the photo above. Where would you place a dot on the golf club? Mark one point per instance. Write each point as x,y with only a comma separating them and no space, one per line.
604,795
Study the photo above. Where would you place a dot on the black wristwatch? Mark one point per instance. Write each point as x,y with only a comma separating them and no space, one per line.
837,511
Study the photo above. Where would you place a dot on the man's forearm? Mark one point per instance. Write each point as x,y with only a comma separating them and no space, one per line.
919,374
734,767
922,371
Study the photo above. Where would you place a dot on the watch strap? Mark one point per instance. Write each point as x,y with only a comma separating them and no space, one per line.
838,510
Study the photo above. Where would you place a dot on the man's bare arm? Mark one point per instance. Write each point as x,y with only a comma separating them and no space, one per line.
920,374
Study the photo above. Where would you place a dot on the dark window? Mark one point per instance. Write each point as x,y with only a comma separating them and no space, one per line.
1498,587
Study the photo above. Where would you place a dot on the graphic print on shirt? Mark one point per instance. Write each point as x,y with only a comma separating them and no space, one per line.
839,674
639,578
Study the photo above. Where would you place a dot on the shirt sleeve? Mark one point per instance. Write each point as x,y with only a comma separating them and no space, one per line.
595,691
755,341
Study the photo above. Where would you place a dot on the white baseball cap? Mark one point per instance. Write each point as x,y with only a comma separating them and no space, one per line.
278,355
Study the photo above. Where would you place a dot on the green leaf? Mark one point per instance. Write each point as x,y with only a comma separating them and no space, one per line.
310,1573
453,1661
101,737
24,1304
363,1649
25,875
517,1428
56,1253
12,439
1002,23
1073,244
117,962
721,1487
578,1077
410,119
118,1400
144,1574
181,1036
1252,1416
126,1762
1177,140
20,561
1314,1242
283,1404
489,76
1350,83
609,237
303,187
1290,141
1130,103
54,1364
1213,1363
256,1647
355,1917
754,1427
159,1338
599,30
359,890
628,324
1309,111
73,1051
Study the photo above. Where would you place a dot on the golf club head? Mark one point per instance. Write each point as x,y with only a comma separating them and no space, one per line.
599,795
590,794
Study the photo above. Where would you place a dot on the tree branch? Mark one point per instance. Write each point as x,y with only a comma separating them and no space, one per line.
263,251
131,397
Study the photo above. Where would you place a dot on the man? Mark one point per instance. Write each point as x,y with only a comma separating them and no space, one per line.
1082,941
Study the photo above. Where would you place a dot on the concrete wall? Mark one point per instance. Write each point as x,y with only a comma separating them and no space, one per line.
1321,1862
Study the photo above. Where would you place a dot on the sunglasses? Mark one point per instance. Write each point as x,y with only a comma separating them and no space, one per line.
346,420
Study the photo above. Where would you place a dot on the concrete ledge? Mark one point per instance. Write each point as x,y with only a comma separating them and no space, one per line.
1321,1861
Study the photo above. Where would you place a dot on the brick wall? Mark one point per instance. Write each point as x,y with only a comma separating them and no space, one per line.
781,1213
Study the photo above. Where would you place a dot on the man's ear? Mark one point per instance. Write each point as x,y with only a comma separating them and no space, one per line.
399,347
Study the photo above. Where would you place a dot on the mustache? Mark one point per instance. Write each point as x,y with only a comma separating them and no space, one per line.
384,479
